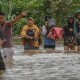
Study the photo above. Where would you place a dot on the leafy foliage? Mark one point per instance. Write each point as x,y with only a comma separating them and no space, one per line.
58,9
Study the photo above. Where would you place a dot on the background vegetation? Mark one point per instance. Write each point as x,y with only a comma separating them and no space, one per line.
58,9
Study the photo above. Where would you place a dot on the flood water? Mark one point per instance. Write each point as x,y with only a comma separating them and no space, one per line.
43,66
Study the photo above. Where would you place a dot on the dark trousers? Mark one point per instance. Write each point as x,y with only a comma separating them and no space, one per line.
2,65
49,46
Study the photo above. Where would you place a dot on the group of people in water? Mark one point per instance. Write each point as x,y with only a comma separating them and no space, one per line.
30,35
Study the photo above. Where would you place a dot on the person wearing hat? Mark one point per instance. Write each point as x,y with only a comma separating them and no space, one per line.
68,34
77,29
30,35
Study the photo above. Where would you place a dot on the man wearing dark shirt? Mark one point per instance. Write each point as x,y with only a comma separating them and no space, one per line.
2,65
6,28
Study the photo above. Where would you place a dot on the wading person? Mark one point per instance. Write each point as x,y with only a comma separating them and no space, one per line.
6,28
48,42
2,65
77,29
68,34
30,35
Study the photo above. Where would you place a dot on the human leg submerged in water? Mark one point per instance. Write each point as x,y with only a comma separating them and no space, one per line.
8,56
2,65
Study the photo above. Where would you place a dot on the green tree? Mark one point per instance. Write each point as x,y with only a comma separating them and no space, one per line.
58,9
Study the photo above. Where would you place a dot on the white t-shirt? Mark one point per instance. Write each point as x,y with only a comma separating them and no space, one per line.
44,30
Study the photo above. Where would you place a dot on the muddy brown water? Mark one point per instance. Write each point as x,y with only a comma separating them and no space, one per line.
43,66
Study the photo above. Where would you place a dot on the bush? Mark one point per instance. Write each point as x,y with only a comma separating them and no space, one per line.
18,27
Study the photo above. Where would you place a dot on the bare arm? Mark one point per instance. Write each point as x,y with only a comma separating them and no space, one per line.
17,18
1,42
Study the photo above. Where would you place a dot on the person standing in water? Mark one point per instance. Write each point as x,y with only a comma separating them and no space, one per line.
2,65
48,42
30,35
6,28
68,34
77,29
